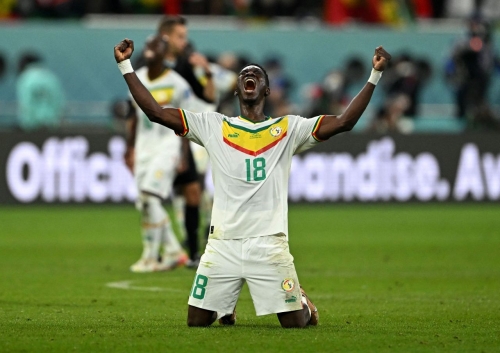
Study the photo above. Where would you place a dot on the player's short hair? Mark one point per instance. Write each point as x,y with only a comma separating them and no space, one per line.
263,70
168,22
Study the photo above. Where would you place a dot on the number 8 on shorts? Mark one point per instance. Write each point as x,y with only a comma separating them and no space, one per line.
200,282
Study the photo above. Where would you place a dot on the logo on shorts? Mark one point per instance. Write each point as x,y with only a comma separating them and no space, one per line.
275,131
292,299
159,174
288,284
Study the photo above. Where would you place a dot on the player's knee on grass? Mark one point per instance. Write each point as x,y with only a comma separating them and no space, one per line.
294,319
198,317
151,209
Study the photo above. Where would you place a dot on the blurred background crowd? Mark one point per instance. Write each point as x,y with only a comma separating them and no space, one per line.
469,71
331,11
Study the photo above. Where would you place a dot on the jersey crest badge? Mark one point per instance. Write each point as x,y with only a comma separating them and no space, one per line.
275,131
288,284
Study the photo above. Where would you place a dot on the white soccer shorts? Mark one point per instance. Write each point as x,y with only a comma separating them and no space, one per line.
156,174
265,263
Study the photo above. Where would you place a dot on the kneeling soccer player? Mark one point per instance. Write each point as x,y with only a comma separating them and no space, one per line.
251,157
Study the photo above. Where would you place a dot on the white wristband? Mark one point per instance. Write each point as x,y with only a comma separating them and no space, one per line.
375,76
125,67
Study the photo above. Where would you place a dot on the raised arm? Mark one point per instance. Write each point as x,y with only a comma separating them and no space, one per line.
168,117
331,124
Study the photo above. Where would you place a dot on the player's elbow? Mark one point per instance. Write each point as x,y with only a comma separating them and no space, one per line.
153,116
340,125
347,125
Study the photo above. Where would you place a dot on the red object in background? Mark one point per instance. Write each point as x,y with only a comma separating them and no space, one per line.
423,8
172,7
337,12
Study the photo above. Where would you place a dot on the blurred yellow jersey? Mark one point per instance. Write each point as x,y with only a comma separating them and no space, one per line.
169,90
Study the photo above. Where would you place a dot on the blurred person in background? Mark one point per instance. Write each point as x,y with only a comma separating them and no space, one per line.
278,104
406,76
232,62
153,154
224,80
389,118
225,83
121,110
40,95
469,71
181,57
332,94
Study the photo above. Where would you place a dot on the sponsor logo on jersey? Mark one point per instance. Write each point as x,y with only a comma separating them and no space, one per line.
255,136
235,135
292,299
288,284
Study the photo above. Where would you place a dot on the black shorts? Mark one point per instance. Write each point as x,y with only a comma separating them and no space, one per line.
189,175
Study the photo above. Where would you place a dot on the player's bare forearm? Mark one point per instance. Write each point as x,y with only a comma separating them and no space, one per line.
168,117
332,125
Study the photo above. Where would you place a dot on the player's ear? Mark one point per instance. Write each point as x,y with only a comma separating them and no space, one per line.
268,91
235,92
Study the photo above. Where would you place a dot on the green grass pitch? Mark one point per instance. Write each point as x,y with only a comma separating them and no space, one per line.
386,278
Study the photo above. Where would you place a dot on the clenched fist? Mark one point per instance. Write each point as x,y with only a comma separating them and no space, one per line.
124,50
380,59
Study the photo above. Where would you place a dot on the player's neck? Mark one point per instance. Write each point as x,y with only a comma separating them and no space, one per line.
155,70
253,113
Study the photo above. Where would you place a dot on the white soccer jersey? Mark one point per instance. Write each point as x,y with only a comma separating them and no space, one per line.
250,169
169,90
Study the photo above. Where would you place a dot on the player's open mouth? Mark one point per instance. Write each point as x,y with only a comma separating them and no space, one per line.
249,84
